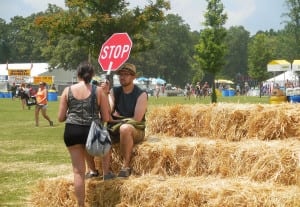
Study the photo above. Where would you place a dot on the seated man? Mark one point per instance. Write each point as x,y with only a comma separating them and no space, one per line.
128,106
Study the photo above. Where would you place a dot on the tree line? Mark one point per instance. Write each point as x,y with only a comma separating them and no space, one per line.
163,45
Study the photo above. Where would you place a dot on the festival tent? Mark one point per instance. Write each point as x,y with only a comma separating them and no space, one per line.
159,81
283,77
36,68
296,65
142,79
224,81
278,65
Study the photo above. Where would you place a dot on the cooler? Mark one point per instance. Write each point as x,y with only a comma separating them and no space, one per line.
52,95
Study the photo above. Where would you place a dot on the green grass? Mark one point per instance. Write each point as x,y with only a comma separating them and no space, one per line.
30,153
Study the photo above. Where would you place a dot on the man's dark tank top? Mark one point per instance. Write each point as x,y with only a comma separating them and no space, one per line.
125,103
80,111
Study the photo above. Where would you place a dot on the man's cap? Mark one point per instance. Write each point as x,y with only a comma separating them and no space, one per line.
127,67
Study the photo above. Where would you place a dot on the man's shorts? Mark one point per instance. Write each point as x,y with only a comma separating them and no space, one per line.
138,136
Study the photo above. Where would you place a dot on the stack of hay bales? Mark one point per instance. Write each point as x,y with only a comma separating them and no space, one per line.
201,155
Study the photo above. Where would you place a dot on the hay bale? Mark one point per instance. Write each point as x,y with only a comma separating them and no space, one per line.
53,192
170,191
276,161
205,191
232,122
100,193
60,192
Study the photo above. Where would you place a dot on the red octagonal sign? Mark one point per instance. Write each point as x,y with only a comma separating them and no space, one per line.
115,51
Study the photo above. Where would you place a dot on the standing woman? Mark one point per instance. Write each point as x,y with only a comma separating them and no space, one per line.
76,110
23,95
42,104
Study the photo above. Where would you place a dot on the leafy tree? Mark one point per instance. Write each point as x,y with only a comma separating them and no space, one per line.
237,54
4,45
90,23
171,52
211,48
293,26
260,52
23,41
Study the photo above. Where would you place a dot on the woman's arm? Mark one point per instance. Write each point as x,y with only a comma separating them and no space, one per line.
103,104
63,105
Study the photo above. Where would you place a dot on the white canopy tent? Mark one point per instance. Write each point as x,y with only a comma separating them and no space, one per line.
36,68
283,77
296,65
286,74
278,66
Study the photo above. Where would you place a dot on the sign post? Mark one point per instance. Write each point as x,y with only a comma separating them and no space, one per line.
114,52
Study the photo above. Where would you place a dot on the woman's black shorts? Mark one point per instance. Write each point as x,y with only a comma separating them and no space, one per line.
75,134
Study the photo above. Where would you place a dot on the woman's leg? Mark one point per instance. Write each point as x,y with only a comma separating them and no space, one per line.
23,101
77,153
44,110
36,115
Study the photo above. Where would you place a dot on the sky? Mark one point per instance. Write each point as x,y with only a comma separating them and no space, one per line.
253,15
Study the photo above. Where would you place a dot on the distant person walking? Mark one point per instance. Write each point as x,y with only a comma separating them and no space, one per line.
188,91
23,91
157,90
205,89
198,90
13,90
42,104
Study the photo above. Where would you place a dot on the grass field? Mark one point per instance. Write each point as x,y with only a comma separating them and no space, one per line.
30,153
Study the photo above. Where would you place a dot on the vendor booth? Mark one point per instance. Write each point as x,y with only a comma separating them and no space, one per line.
278,66
223,87
278,88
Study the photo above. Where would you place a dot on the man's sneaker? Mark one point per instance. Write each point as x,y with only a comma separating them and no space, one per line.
92,174
51,123
124,172
109,176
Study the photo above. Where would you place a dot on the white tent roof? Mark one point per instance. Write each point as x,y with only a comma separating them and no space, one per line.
37,68
278,65
296,65
283,77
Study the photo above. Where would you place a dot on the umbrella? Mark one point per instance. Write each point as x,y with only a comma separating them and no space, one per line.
142,79
160,81
224,81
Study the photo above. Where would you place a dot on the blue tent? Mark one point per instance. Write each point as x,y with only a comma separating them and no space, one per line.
142,79
160,81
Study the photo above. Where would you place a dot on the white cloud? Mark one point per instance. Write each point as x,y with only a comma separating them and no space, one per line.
191,11
238,11
39,5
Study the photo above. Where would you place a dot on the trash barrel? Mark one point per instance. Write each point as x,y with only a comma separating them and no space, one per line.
231,92
7,94
295,99
225,92
52,95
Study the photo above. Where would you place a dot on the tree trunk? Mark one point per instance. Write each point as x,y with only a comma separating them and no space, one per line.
213,94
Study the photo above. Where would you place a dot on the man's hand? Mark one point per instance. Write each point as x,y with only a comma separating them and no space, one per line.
105,86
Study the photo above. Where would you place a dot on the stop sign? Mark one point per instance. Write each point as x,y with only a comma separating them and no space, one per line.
115,51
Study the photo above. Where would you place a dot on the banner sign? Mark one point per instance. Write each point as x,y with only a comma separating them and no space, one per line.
19,72
47,79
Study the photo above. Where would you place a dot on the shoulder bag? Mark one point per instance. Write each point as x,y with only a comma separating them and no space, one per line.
98,142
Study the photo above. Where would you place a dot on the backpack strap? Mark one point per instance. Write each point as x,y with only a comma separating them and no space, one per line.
93,99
